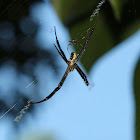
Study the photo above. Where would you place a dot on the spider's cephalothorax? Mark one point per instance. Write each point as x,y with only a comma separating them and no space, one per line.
72,64
72,58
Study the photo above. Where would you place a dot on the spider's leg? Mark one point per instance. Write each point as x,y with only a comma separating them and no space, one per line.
88,38
59,46
84,77
56,89
60,54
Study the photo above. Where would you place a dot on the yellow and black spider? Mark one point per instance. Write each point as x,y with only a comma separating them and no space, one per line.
72,63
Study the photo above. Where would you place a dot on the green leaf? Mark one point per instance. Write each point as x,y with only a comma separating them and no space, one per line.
100,42
109,32
130,29
137,98
117,6
69,9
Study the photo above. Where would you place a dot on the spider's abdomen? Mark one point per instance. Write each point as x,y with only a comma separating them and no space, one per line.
71,60
71,68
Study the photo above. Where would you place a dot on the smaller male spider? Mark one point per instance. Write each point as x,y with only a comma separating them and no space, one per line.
72,63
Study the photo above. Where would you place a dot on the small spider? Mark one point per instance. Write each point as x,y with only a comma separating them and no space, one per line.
72,42
72,63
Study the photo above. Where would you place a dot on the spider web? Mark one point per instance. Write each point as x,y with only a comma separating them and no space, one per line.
81,31
12,4
79,40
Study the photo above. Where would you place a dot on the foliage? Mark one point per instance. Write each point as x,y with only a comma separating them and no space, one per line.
19,50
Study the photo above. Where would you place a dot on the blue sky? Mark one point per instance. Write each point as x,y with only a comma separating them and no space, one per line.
106,111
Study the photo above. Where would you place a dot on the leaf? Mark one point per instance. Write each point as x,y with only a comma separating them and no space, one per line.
137,98
100,42
130,29
69,9
109,32
117,6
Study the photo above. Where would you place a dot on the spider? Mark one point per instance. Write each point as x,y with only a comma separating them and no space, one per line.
72,63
